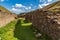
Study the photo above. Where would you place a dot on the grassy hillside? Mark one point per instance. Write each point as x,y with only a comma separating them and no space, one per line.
53,7
4,10
19,30
4,31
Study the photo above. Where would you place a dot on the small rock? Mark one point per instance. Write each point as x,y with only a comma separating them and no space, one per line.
48,17
58,22
38,35
55,20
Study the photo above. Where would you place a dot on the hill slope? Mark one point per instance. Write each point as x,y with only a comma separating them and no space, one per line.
4,9
6,16
54,6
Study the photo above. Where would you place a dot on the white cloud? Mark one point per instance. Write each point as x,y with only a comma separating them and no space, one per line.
49,0
42,0
45,0
17,10
20,8
46,4
27,8
19,5
42,5
2,0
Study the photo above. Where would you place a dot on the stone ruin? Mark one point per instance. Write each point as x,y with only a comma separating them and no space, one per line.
46,21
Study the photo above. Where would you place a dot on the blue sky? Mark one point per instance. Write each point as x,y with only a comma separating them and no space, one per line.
19,6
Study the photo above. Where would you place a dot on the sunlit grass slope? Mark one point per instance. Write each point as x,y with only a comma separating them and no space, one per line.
6,33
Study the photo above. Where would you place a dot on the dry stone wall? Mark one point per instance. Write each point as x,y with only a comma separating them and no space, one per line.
47,22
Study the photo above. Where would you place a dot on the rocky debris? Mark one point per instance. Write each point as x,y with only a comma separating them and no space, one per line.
38,35
46,21
35,31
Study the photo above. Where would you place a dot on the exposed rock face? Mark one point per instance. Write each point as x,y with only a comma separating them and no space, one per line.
5,17
28,16
47,22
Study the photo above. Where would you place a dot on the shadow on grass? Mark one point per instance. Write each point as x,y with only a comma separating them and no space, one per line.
17,31
26,21
23,32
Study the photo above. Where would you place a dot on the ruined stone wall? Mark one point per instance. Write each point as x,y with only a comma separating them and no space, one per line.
5,18
47,22
28,16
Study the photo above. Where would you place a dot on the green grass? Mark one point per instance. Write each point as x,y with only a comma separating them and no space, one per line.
19,30
23,31
7,29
